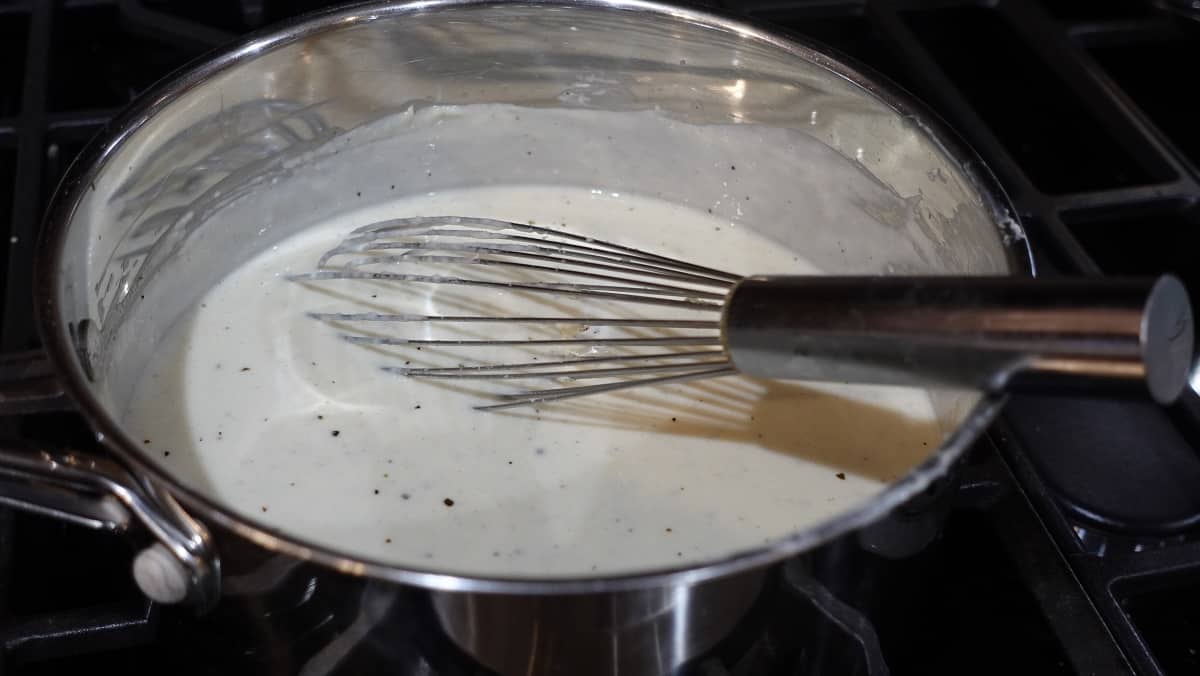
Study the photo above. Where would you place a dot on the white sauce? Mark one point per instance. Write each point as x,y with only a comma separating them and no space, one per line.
270,412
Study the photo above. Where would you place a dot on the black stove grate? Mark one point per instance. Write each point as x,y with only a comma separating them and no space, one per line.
1075,104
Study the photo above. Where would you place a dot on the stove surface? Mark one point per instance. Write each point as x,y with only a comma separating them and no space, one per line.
1065,544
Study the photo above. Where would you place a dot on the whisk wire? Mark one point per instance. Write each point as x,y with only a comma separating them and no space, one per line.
475,260
484,319
543,253
570,374
530,397
420,224
597,291
521,342
625,358
526,258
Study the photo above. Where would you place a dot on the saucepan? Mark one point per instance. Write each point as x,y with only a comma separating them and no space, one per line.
131,240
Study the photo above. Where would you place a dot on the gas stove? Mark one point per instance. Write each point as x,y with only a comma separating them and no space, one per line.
1066,543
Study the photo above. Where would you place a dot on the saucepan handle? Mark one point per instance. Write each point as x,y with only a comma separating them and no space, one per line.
99,493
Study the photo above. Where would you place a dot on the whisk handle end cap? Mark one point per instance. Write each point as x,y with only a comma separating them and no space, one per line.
1168,339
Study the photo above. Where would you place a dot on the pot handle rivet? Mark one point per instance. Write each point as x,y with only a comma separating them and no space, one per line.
160,575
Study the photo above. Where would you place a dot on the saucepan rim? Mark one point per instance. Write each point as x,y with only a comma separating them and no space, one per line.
93,161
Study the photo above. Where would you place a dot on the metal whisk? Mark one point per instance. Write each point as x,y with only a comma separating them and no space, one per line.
989,333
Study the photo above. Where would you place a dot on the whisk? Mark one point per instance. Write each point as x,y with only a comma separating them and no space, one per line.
985,332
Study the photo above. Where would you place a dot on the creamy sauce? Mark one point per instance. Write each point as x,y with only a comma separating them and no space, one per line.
270,412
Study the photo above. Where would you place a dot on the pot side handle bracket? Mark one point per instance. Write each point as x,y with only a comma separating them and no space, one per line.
98,493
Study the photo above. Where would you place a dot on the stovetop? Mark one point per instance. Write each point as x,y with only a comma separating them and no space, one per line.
1066,544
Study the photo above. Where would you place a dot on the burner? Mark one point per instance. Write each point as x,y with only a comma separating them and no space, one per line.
1081,442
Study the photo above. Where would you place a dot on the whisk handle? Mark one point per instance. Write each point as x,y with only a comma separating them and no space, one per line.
992,333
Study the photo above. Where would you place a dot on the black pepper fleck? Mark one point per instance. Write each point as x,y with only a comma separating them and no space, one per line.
405,496
732,168
668,530
264,508
145,441
417,406
320,417
336,432
448,502
388,540
841,475
358,194
166,453
376,491
245,368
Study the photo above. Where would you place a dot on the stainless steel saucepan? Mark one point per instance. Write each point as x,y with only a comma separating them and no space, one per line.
133,238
